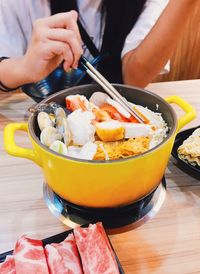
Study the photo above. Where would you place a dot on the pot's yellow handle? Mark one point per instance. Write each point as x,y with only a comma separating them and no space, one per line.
12,148
190,112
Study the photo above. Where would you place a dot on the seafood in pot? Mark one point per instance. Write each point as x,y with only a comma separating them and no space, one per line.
99,128
49,135
45,120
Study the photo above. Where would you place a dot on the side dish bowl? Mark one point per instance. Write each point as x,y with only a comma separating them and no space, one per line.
103,183
185,166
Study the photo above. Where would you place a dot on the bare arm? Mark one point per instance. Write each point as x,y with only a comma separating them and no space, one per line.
143,64
54,39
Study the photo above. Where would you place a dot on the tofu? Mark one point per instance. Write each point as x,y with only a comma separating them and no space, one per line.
133,130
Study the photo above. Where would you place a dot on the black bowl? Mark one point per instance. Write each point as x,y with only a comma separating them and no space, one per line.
59,80
55,82
186,167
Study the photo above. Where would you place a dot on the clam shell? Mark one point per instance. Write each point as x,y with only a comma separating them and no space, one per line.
59,147
67,136
44,120
60,115
50,135
48,108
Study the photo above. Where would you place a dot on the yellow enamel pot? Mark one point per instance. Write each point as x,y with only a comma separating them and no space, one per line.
103,183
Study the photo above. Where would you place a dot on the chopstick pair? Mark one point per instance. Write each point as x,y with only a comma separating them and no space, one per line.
101,80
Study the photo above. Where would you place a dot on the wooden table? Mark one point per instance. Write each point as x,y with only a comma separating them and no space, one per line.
168,243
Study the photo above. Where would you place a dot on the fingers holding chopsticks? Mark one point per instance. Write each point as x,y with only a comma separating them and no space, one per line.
55,40
63,27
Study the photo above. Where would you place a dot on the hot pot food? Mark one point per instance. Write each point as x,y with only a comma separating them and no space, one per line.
98,128
92,152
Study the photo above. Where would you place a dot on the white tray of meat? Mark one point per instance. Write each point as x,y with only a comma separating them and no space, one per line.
85,249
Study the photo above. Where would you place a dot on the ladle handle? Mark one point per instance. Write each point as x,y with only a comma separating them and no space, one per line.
190,112
11,147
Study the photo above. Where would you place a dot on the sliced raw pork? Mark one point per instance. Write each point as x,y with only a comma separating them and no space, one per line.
8,266
30,257
96,253
63,258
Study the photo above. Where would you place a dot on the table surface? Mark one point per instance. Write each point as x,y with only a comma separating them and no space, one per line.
167,243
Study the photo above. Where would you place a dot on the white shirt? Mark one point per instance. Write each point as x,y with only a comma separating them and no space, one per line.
17,18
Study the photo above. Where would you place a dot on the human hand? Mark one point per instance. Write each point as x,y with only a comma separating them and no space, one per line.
55,39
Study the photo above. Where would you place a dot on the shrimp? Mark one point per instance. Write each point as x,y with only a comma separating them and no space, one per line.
74,102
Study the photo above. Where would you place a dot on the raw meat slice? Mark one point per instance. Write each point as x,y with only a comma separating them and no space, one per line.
96,253
63,258
30,257
8,266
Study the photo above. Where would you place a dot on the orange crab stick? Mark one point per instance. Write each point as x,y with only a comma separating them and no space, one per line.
75,103
116,115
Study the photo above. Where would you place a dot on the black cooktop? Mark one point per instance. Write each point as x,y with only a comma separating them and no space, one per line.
72,215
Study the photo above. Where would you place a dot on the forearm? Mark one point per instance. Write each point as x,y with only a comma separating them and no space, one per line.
144,63
13,72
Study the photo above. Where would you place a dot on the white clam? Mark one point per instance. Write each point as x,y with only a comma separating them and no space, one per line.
50,135
60,115
44,120
59,147
66,132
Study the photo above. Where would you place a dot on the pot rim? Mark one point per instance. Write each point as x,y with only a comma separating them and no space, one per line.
36,139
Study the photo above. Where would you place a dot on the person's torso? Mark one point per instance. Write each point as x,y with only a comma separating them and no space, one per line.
107,23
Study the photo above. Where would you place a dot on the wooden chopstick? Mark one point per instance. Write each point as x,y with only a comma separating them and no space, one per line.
101,80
